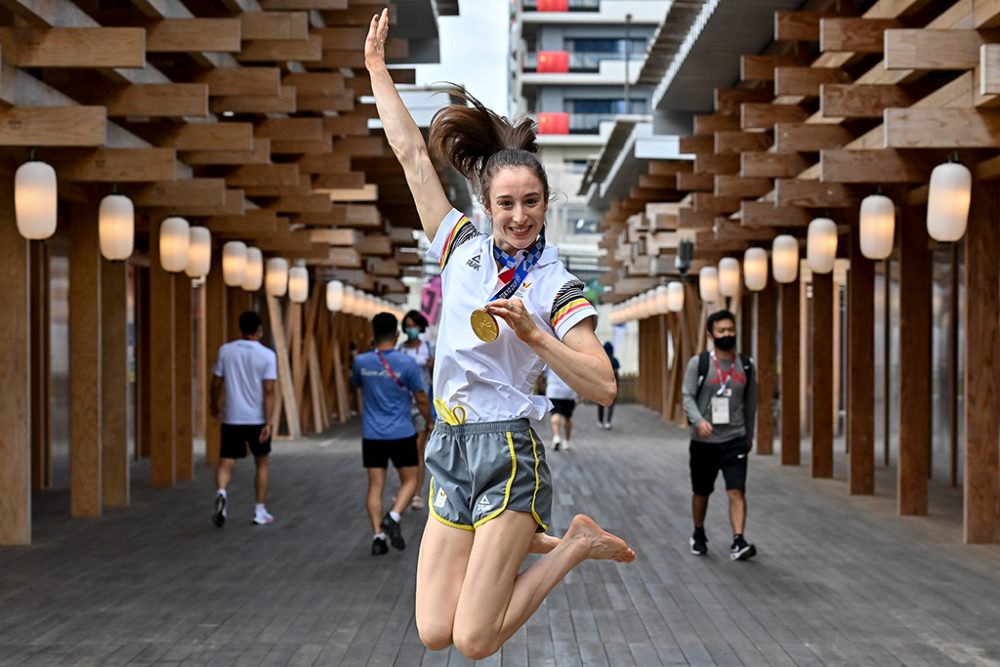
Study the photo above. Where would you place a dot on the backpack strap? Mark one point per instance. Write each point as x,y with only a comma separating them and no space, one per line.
747,362
702,371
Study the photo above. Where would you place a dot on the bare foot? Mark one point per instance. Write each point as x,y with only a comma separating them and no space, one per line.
542,543
601,544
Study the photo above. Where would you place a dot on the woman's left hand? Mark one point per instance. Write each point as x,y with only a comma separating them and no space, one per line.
513,312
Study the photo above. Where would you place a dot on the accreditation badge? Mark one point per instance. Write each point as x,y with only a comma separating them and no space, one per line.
720,410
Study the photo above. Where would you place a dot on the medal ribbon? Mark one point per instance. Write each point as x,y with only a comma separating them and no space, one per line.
519,271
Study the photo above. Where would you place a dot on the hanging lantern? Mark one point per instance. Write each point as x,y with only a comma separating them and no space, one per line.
648,304
785,258
755,269
675,296
175,236
234,263
253,276
821,245
347,306
298,284
276,278
199,255
662,300
708,284
116,227
335,296
878,226
35,200
948,201
729,276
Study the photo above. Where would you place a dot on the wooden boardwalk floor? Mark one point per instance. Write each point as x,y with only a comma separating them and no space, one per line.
839,580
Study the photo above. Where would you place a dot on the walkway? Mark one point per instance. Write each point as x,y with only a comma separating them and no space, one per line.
839,581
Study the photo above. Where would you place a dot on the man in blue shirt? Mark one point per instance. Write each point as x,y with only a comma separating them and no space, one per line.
390,381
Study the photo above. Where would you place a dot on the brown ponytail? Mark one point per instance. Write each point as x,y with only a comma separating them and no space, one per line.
478,142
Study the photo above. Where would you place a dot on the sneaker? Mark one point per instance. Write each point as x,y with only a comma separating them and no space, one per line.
394,531
607,426
741,549
566,446
555,443
699,543
379,547
262,518
219,515
417,503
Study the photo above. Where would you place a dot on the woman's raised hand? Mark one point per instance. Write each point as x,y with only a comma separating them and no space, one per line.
378,32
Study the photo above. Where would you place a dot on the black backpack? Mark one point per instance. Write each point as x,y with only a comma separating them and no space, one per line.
703,358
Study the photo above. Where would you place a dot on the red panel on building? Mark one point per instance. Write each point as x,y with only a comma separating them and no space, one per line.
553,5
553,122
553,61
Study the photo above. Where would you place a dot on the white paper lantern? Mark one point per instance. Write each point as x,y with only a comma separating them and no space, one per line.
675,296
708,284
785,258
370,307
821,245
298,284
35,200
948,201
648,304
729,276
253,274
116,227
199,259
878,226
334,296
234,263
348,304
662,300
175,235
276,278
755,269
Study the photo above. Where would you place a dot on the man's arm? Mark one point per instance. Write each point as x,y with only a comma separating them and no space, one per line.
424,406
750,406
689,391
265,432
214,394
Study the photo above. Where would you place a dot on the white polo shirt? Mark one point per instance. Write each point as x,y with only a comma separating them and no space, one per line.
494,381
556,387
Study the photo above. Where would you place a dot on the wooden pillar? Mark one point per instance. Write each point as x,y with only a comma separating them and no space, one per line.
860,370
746,322
767,364
143,365
15,376
981,508
215,336
664,367
822,375
85,340
114,384
41,426
790,422
183,347
162,374
237,302
915,287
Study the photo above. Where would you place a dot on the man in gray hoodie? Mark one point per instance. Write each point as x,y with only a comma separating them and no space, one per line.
720,399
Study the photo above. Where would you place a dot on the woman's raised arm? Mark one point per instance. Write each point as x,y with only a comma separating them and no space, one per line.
402,132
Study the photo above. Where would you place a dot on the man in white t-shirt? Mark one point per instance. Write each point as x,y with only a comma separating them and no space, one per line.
563,403
247,370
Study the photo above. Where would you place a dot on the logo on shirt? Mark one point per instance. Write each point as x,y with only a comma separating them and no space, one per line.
522,290
474,262
441,499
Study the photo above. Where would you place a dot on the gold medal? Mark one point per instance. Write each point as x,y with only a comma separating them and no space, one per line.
484,325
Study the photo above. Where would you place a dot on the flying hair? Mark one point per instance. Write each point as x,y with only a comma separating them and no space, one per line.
478,142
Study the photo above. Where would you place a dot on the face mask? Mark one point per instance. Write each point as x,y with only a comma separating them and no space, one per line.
413,334
726,343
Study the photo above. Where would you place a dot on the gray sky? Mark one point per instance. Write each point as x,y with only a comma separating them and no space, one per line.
474,51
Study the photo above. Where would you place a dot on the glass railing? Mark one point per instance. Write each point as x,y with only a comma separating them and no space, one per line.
588,123
578,62
572,5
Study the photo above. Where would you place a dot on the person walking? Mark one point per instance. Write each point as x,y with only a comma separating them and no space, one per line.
246,370
390,382
563,403
604,413
508,308
720,399
422,352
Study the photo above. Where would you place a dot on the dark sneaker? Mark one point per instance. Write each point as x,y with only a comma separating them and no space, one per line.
699,543
219,515
379,546
394,531
741,549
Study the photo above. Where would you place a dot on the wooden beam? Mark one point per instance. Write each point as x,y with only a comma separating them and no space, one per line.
114,384
806,80
860,370
162,375
738,141
745,188
53,126
709,123
190,192
688,181
772,165
186,35
930,49
823,372
717,164
854,35
766,214
215,337
163,100
283,102
813,194
803,137
839,165
263,81
941,128
764,116
729,100
762,67
76,47
839,100
274,25
797,26
207,136
791,445
118,165
270,50
183,348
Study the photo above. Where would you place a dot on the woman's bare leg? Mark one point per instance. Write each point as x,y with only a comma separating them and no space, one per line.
441,567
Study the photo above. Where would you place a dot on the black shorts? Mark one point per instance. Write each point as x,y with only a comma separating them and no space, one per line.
236,438
708,458
563,406
377,453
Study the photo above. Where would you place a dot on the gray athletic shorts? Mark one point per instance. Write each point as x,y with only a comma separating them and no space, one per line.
479,470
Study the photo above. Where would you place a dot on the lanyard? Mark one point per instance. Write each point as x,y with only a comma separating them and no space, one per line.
388,367
724,378
534,253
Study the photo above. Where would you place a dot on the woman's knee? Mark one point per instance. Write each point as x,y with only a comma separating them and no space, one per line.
475,643
434,635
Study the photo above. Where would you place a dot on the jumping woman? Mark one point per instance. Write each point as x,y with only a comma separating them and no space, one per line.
509,307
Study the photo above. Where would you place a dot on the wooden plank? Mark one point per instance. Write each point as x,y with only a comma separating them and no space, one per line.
986,14
790,363
717,164
304,4
930,49
186,35
813,194
73,47
762,67
41,367
53,126
707,202
860,372
270,50
941,128
709,123
800,137
191,192
797,26
697,144
283,102
207,136
15,377
161,372
285,386
874,166
118,165
262,174
183,387
259,154
838,100
737,141
730,100
772,165
737,186
806,80
274,25
114,385
766,214
263,81
85,365
162,100
823,373
854,35
688,181
764,116
981,518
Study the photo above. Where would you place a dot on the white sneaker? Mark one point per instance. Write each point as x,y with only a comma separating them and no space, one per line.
565,445
555,443
262,518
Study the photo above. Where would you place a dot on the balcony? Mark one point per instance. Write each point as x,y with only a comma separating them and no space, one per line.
562,5
563,61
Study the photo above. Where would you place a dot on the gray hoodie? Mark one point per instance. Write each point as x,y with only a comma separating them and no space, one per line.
742,400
